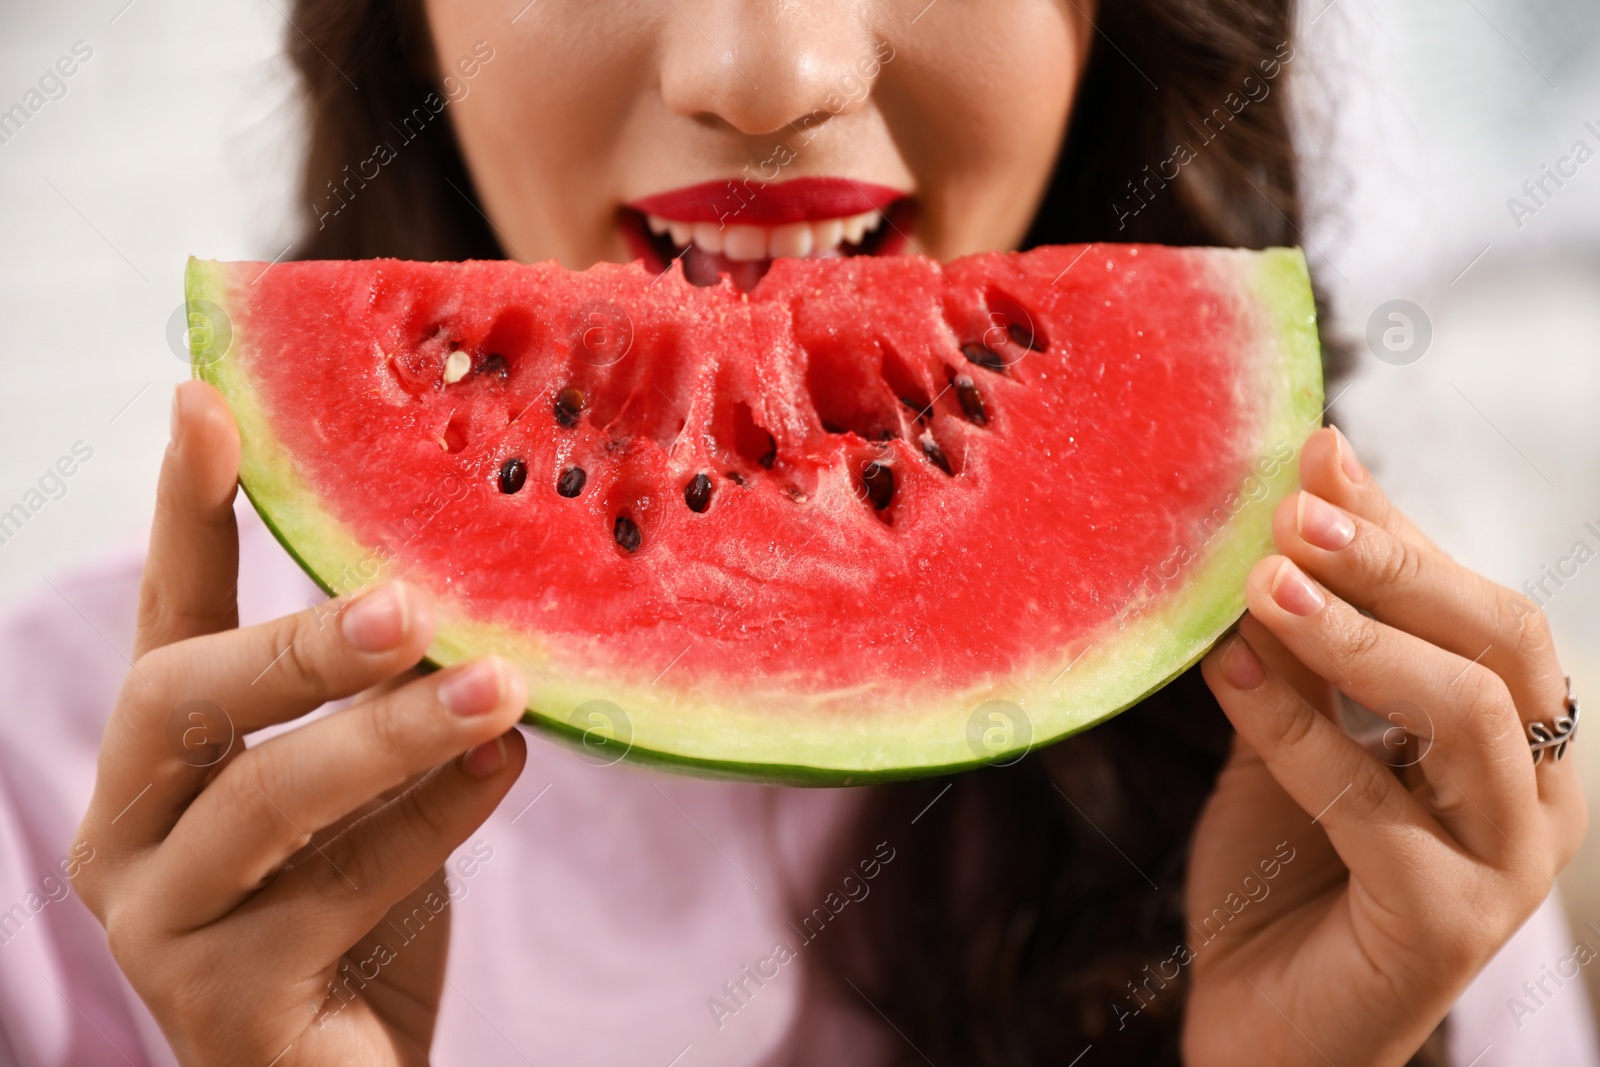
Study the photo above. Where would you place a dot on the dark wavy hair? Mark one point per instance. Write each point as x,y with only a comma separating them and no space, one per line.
1024,902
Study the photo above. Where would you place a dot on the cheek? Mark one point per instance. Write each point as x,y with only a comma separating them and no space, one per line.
985,104
539,124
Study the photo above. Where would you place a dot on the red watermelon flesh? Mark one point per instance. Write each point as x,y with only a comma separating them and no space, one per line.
832,529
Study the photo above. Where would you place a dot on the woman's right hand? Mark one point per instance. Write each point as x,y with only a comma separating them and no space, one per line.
249,900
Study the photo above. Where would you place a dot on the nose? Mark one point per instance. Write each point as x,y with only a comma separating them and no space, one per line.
759,65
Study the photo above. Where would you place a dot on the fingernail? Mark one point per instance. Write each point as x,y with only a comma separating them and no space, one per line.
1295,593
376,621
1323,525
474,689
1240,666
480,761
1347,457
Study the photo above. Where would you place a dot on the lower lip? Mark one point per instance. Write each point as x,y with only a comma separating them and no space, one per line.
704,268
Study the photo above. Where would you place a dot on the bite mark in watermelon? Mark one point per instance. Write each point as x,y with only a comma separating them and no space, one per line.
877,518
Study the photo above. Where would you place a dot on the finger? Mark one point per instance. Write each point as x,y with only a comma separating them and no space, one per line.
191,571
332,900
1330,469
1376,825
279,794
186,719
1477,766
1420,590
361,811
1424,592
1312,687
279,670
411,943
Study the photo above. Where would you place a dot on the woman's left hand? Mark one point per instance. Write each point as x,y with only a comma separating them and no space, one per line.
1337,906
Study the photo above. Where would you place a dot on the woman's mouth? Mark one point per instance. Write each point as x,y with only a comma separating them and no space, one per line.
738,228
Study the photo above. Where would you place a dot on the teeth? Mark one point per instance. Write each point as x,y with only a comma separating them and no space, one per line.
709,236
791,240
856,227
827,234
745,243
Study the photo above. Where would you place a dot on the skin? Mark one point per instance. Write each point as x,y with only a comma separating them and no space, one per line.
612,102
1407,883
232,922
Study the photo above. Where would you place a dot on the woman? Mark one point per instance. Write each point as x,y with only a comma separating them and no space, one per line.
1220,876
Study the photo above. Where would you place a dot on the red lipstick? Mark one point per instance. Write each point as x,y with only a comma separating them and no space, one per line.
754,203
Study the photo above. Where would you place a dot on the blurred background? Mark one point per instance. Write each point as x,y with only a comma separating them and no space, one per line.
1441,141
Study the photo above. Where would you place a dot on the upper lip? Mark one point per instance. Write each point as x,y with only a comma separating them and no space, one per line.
755,203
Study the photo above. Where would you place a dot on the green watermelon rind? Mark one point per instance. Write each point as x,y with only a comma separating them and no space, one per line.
1142,654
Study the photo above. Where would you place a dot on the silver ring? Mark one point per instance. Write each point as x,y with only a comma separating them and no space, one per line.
1542,739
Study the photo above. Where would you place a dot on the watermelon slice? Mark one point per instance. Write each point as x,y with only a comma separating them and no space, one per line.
876,518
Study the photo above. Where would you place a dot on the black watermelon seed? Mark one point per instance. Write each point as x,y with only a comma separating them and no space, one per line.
1024,336
513,473
570,484
771,457
735,477
495,364
626,533
936,456
698,494
569,405
917,409
879,481
971,400
983,356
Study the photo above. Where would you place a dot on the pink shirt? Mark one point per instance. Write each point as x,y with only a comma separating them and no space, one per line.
598,913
